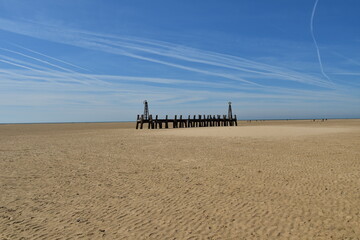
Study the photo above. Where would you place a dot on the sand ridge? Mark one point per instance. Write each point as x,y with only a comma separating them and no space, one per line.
115,182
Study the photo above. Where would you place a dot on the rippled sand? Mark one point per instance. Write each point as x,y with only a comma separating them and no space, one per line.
260,180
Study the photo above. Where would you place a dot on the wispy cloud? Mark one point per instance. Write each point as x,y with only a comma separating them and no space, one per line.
177,56
45,66
315,42
38,79
49,80
50,57
241,65
350,60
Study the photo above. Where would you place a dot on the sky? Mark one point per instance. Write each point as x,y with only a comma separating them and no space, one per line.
96,60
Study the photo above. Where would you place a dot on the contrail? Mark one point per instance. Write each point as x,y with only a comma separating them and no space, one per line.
149,50
347,58
44,55
313,37
10,62
75,74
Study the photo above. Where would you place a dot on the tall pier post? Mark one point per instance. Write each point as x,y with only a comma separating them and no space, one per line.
230,111
146,110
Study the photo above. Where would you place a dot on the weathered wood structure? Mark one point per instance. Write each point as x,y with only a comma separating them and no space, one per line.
200,121
189,122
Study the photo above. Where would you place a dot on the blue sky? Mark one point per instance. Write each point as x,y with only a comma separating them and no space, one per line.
92,60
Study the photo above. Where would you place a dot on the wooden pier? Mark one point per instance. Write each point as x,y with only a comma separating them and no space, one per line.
189,122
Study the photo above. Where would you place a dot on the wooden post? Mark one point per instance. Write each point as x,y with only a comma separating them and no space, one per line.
137,121
149,123
235,119
175,122
142,121
180,122
166,122
156,121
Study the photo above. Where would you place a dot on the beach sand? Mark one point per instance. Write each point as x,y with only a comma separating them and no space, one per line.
260,180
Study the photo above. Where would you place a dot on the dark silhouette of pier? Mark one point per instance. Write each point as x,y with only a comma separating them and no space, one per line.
189,122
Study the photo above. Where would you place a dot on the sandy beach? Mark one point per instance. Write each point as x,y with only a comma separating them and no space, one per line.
295,179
